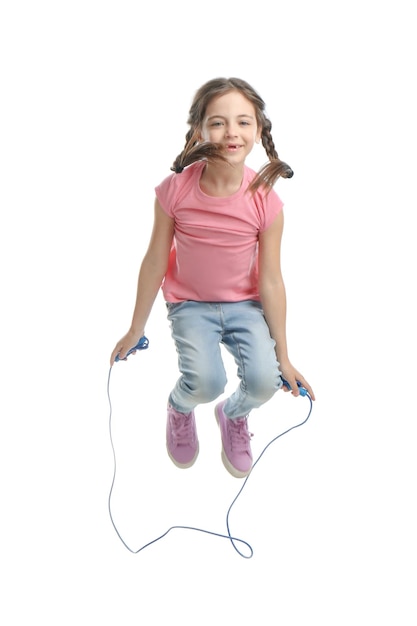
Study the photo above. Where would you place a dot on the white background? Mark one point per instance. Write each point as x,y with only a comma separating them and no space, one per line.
95,98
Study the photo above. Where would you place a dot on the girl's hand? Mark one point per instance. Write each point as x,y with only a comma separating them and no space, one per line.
292,376
125,344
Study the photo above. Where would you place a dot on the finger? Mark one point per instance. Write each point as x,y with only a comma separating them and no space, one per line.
117,352
311,392
294,386
308,387
113,356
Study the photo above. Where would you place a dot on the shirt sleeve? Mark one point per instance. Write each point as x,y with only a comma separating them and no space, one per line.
271,206
166,192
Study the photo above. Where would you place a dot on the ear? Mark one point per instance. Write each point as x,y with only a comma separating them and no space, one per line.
258,135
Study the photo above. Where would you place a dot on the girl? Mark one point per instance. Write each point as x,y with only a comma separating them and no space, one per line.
215,252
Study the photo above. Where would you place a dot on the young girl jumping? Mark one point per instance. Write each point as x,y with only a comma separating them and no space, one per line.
215,252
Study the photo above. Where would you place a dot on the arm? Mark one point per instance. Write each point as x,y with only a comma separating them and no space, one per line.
152,271
274,301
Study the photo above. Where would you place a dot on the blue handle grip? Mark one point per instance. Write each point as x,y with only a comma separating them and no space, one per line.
303,391
142,344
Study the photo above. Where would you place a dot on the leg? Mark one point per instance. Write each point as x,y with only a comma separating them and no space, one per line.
196,330
246,336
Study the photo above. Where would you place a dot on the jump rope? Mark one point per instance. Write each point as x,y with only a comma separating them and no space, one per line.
143,344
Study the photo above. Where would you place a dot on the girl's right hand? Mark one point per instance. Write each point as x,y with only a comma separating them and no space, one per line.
125,344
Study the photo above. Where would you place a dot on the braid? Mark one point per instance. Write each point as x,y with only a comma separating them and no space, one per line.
270,172
267,140
195,151
178,164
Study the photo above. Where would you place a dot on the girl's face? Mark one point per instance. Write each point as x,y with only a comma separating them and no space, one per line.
230,121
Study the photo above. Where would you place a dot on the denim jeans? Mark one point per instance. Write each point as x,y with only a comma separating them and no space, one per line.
198,329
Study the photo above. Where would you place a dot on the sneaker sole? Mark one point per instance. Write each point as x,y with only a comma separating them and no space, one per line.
230,468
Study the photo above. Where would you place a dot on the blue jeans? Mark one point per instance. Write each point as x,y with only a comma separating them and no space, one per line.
198,329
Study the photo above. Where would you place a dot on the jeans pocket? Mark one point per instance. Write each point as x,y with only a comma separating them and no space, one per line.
172,307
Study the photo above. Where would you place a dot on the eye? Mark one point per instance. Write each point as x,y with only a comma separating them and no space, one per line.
214,124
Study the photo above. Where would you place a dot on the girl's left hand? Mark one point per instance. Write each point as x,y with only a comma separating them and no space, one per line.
292,376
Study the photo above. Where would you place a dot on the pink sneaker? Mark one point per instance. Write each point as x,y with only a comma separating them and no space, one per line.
236,451
182,441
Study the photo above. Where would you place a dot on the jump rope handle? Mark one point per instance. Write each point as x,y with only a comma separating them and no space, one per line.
303,391
142,344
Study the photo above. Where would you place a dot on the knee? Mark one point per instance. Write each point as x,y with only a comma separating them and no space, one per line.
205,387
264,387
210,387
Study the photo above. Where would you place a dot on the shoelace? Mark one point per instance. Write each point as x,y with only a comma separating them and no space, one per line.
239,435
182,429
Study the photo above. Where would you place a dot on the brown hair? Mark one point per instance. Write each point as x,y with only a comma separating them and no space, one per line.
195,151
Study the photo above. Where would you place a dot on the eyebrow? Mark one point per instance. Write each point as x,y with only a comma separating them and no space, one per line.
223,117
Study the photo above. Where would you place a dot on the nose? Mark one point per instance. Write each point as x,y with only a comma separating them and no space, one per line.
231,130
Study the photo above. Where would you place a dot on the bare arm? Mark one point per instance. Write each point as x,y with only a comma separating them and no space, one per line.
152,271
274,300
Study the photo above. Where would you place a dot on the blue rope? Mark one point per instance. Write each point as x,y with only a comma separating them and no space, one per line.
233,540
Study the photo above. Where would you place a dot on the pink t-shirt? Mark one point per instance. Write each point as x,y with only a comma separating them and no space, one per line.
214,257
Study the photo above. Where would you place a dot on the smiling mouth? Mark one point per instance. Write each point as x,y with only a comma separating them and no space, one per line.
233,146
